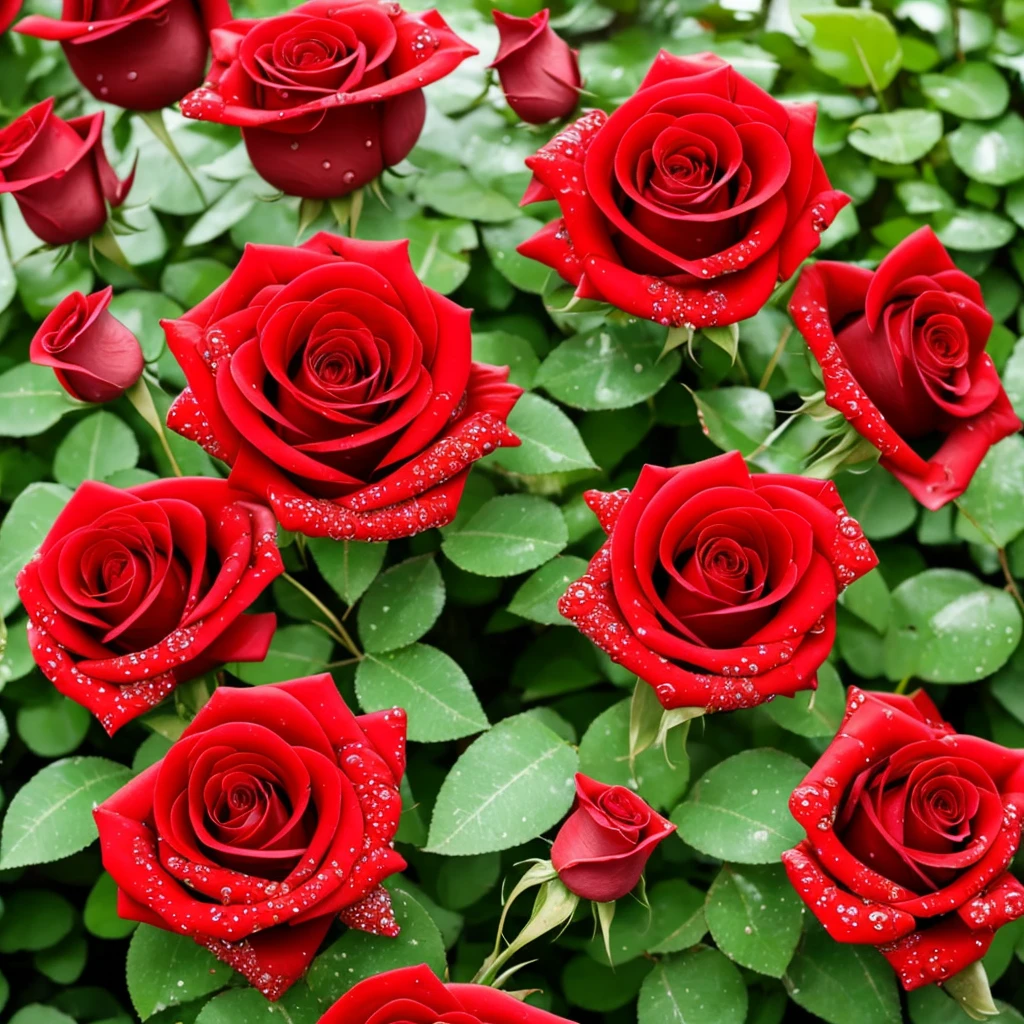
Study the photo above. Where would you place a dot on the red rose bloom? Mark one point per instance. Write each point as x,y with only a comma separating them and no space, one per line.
95,357
139,54
135,591
539,73
339,388
689,203
8,12
718,587
910,831
59,174
273,815
414,994
603,847
329,94
902,355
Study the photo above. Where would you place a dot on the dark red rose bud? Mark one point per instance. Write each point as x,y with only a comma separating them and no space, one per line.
58,173
329,94
539,72
142,55
95,357
602,849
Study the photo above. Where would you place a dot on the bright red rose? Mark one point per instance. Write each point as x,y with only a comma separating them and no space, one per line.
8,12
273,815
910,831
539,73
58,173
603,847
329,94
138,54
716,586
135,591
411,994
339,388
689,203
902,355
95,357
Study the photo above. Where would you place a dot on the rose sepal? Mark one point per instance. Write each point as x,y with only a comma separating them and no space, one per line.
650,724
970,989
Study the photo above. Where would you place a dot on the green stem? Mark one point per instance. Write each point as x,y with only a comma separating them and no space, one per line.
776,356
336,628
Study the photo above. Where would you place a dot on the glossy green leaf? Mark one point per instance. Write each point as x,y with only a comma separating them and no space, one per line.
698,986
900,137
537,599
94,448
401,605
550,441
348,566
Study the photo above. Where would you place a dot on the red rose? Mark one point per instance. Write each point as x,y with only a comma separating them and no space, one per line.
135,591
271,816
689,203
539,73
95,357
139,54
902,354
59,174
339,388
718,587
329,94
8,12
603,847
411,994
910,831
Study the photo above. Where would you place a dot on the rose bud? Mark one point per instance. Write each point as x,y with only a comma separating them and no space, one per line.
272,816
95,357
329,94
339,388
603,847
416,994
689,203
58,173
911,830
902,354
133,592
539,73
139,55
716,586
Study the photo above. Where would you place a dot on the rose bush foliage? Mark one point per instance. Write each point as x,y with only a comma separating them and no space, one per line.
518,495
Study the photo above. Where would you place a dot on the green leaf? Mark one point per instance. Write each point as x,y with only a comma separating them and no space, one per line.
551,442
188,283
298,1005
511,534
604,755
463,881
17,660
295,651
34,919
31,401
457,194
673,921
589,985
512,784
843,984
949,627
358,955
50,817
993,500
878,501
697,986
900,137
500,241
973,230
38,1013
141,312
349,566
429,685
973,90
27,522
499,348
857,46
868,599
611,368
736,418
812,712
100,913
8,283
94,448
165,969
54,727
537,599
755,916
739,810
992,153
64,962
401,605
